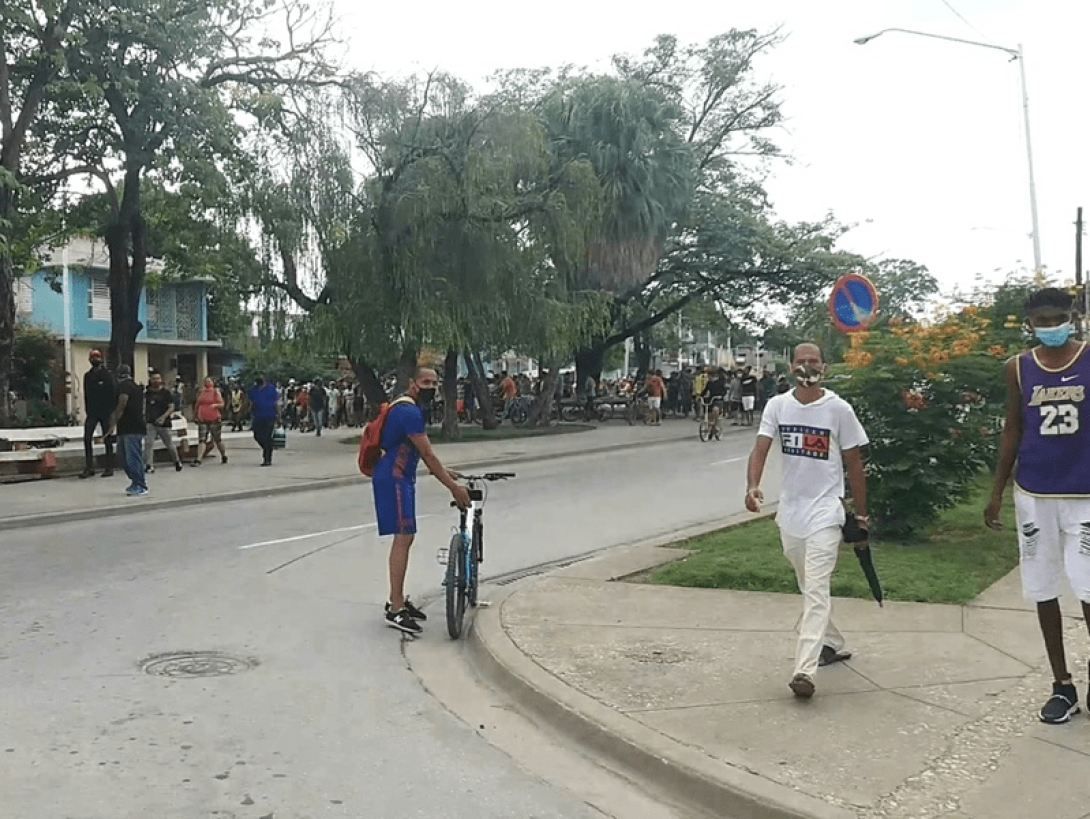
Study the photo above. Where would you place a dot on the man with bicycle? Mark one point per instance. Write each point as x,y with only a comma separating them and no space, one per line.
713,396
404,443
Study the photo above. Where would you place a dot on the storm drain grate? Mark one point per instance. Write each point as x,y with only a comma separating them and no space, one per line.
196,664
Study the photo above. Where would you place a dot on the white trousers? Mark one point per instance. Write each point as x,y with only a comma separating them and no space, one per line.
814,559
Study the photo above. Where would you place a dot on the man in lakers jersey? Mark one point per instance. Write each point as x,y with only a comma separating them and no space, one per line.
1046,445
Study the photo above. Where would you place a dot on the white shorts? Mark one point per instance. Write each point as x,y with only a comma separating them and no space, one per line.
747,403
654,403
1053,539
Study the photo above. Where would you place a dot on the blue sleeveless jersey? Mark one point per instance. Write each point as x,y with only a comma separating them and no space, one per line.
1054,458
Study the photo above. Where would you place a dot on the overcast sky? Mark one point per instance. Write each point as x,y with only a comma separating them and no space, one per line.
917,142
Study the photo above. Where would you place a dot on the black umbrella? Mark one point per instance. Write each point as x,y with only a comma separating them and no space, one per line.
855,534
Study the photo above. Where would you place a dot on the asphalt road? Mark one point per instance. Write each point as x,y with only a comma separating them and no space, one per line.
329,720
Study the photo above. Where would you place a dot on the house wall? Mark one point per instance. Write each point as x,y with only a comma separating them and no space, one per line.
48,306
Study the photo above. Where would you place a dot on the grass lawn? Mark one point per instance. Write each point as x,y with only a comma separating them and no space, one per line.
952,563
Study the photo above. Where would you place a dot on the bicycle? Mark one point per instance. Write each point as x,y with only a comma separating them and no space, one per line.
466,552
706,429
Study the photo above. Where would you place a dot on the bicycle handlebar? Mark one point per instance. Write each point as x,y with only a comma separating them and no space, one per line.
488,476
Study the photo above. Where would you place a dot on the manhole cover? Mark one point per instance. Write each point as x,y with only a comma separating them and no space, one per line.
196,664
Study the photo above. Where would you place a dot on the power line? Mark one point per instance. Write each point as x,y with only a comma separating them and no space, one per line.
961,17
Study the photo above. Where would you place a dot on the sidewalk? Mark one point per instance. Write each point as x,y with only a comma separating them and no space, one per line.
307,463
935,715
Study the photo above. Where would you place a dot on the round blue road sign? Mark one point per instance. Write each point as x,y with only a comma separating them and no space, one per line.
853,303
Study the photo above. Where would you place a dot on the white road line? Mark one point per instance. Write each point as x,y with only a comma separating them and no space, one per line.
312,534
729,461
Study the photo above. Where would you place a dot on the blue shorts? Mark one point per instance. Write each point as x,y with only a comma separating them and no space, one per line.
395,507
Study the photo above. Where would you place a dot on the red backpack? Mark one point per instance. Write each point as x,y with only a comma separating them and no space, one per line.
371,451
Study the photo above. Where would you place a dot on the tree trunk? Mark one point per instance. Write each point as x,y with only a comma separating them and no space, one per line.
372,387
450,395
539,411
406,366
588,361
7,334
480,389
641,346
126,278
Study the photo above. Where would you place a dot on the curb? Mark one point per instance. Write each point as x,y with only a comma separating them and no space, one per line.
94,513
682,774
685,774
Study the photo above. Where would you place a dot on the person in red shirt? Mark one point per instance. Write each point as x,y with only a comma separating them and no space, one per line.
209,411
656,389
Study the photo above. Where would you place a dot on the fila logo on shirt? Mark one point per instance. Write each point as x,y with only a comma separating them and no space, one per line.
809,442
1051,395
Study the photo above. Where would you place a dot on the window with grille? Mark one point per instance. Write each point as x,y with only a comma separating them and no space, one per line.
98,299
24,295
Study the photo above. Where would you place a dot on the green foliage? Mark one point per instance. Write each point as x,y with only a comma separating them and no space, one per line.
35,352
284,360
931,399
952,560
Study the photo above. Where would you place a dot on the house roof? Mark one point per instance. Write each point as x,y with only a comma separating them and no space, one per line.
87,252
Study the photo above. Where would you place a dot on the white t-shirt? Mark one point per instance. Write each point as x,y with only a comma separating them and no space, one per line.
812,438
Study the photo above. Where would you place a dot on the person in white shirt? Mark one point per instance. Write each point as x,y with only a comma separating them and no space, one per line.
819,435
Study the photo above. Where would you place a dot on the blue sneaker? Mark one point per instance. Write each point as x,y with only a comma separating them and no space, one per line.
130,488
139,491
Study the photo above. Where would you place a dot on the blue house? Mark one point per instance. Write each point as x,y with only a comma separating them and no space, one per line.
174,339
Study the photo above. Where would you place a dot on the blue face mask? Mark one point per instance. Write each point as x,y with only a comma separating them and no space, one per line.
1054,336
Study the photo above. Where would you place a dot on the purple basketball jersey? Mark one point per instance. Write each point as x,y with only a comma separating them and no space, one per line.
1054,458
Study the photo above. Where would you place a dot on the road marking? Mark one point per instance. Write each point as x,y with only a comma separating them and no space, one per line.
312,534
729,461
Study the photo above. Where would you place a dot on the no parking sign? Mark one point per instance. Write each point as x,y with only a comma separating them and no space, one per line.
853,304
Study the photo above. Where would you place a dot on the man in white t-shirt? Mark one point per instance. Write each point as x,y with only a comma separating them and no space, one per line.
818,435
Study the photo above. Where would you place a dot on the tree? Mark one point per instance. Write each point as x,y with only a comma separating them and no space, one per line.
33,36
153,88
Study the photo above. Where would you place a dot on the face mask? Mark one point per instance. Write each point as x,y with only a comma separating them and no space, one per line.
1054,336
425,396
807,375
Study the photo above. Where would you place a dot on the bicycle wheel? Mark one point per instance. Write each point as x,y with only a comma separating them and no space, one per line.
520,413
475,557
456,586
704,430
570,412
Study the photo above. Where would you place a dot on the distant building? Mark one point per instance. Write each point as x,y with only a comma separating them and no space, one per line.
174,339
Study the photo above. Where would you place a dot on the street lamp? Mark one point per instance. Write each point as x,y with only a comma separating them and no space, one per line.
1015,54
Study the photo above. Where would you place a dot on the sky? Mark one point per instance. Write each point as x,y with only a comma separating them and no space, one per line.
916,143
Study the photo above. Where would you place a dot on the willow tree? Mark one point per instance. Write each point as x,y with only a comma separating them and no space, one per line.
444,241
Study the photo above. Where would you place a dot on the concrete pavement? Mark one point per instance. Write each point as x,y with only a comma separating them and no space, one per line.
935,714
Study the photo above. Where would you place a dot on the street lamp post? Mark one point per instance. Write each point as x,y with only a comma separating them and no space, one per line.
1015,54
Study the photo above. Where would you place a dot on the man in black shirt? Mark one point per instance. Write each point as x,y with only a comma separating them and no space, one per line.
714,396
318,406
749,395
127,422
99,399
158,409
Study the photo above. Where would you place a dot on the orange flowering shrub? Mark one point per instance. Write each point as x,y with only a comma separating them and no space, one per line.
923,393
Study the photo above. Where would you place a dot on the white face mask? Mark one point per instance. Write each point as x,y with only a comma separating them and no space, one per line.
807,375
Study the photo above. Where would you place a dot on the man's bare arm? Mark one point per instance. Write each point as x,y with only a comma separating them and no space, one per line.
857,479
755,470
1009,442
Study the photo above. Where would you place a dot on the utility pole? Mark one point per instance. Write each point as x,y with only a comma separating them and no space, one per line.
1079,286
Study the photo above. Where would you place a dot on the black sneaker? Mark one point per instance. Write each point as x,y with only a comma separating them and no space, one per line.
830,655
107,473
403,622
1062,705
414,612
87,473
